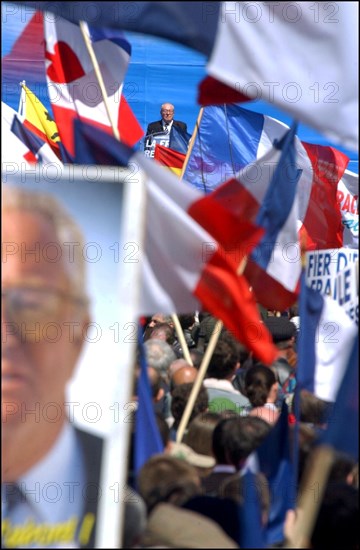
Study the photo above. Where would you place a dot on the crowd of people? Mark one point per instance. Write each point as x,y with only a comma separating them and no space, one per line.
190,494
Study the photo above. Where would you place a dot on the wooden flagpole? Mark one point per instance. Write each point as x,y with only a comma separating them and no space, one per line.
90,49
180,333
203,368
192,141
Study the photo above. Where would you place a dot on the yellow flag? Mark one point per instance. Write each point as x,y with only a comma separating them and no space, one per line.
38,119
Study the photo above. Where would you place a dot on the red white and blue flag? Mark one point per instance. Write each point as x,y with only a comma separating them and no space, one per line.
302,57
186,264
73,86
348,199
231,138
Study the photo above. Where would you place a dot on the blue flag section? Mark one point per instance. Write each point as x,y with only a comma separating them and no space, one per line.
147,436
343,424
227,140
193,24
179,140
278,201
311,304
92,146
251,530
276,464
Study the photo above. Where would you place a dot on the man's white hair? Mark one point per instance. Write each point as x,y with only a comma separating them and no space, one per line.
67,231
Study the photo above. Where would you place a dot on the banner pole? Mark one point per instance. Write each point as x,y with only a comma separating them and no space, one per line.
90,49
192,141
180,333
203,368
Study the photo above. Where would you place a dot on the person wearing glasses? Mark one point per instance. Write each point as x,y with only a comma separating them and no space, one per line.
167,121
50,468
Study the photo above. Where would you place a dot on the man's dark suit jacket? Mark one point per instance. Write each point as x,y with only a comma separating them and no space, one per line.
92,447
157,127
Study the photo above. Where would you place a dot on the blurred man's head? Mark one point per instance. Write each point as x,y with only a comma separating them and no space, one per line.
45,309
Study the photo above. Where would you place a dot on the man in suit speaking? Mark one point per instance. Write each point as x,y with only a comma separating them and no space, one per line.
167,121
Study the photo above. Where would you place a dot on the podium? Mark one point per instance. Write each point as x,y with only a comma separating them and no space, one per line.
150,141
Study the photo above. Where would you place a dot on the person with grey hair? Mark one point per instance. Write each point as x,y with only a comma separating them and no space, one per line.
167,111
51,468
160,355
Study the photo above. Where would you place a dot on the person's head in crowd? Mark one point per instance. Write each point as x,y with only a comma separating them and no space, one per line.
159,318
165,478
313,410
261,385
176,365
244,360
207,325
232,487
234,439
240,350
41,297
185,375
200,432
180,397
202,462
163,331
160,356
196,357
337,523
155,380
283,333
223,363
342,469
187,321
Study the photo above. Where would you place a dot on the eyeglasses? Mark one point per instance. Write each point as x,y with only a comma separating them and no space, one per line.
35,305
166,111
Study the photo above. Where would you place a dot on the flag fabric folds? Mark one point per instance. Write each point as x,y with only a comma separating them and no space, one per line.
275,463
147,436
348,199
179,140
228,138
342,431
184,268
193,25
38,120
319,88
16,151
325,342
231,138
169,158
266,193
251,532
75,88
23,147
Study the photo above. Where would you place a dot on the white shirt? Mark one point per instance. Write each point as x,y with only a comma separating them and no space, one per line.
167,125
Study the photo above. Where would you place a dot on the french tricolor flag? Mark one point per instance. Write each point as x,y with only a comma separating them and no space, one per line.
267,193
257,50
74,89
188,263
231,138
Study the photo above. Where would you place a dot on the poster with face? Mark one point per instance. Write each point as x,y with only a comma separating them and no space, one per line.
70,256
